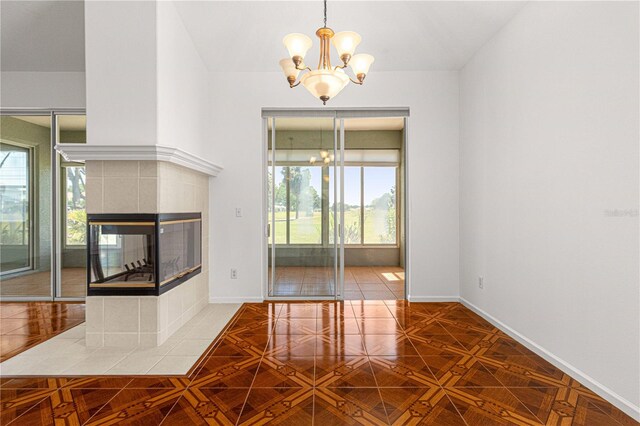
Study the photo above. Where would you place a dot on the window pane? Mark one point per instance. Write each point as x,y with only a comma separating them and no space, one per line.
380,205
352,207
14,215
305,187
76,215
280,185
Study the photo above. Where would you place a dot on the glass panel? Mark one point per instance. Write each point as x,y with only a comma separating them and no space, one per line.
352,205
303,258
380,205
305,221
180,248
270,188
281,202
122,254
73,215
25,200
374,259
15,197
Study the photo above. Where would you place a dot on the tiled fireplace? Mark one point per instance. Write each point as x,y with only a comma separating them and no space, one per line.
139,294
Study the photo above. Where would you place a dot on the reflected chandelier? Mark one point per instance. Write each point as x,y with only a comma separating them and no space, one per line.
325,82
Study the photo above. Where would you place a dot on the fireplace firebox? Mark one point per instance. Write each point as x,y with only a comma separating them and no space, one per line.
142,254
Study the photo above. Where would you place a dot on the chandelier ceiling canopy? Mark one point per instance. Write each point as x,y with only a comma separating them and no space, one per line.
326,81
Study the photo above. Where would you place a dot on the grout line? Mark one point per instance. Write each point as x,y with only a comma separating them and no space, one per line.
258,369
173,406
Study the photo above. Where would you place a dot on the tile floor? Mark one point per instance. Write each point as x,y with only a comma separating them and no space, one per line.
24,325
355,362
67,354
360,282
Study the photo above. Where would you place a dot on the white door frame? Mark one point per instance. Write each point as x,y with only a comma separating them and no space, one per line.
336,114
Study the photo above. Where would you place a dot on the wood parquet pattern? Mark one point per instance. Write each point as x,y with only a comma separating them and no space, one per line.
330,363
24,325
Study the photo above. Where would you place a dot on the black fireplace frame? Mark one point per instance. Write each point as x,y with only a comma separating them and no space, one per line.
156,218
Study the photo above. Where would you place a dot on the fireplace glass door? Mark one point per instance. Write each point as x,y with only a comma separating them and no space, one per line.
122,254
180,248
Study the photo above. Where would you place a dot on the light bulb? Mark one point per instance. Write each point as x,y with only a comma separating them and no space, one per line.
324,154
312,160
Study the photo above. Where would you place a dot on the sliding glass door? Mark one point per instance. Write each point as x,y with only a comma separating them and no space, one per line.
42,252
302,158
335,195
26,177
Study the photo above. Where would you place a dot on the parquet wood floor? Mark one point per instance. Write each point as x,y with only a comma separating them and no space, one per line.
331,363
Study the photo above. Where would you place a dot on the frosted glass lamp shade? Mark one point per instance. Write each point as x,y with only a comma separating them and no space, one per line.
325,84
346,42
297,44
361,63
289,68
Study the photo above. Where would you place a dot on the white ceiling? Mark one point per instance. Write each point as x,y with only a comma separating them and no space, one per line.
42,35
402,35
247,35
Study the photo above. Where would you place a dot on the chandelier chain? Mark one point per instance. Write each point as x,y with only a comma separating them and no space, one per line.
325,13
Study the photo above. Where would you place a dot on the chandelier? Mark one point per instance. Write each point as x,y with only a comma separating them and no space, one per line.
325,82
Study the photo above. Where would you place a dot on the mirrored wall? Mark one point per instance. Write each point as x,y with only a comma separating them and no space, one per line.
42,207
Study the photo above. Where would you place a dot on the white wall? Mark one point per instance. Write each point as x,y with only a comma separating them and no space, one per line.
42,90
121,68
236,101
182,79
549,146
146,82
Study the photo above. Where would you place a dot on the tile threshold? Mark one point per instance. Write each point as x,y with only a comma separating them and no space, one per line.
66,354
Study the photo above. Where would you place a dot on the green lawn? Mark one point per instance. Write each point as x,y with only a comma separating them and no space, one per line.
308,229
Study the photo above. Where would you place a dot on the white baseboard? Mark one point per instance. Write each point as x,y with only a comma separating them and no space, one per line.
434,299
235,299
623,404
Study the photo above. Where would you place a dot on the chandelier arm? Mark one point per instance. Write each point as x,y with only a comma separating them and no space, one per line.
294,85
304,69
355,81
340,67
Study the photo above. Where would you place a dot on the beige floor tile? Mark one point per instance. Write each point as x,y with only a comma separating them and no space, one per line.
190,347
135,363
173,365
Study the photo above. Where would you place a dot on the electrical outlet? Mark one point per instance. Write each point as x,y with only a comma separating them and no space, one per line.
481,282
234,274
238,212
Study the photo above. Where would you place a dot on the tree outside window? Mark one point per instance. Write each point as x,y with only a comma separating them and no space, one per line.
75,204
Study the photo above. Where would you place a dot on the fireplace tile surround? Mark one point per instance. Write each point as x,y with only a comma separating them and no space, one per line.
121,186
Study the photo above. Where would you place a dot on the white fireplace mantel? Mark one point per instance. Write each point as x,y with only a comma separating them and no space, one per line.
84,152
